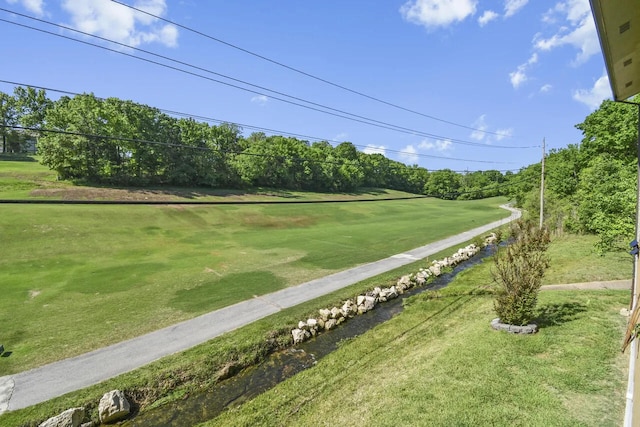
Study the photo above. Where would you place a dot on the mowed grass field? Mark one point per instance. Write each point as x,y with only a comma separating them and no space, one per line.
437,363
79,277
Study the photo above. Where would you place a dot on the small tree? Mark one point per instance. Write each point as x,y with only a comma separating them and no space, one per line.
518,269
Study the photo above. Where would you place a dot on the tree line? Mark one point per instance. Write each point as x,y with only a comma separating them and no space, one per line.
590,187
120,142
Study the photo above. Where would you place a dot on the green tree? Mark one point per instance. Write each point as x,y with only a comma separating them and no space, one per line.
322,166
417,178
349,173
375,170
9,117
563,169
607,194
148,160
226,141
78,155
32,106
481,184
524,183
444,184
612,129
275,161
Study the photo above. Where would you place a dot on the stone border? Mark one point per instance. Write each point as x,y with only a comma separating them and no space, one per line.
531,328
329,318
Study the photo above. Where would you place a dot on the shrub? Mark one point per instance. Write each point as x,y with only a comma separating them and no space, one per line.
518,270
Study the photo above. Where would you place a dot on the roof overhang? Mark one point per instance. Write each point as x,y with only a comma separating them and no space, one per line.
618,25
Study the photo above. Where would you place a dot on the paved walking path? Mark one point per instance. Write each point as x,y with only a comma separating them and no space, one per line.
612,284
49,381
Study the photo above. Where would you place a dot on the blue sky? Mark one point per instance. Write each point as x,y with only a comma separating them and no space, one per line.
490,79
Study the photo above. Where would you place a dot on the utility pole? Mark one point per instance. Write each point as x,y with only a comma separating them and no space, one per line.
542,186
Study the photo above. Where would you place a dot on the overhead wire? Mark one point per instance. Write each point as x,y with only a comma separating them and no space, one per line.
355,117
373,98
178,145
493,186
515,180
269,130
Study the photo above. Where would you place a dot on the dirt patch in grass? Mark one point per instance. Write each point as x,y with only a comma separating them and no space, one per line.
96,193
152,194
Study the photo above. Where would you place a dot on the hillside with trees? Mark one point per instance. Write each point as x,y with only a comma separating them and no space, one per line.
117,142
590,187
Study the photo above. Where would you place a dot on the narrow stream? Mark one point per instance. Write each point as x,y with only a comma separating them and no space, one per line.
279,366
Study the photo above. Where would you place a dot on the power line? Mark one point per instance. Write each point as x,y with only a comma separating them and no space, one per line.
305,73
492,186
177,113
178,145
268,130
355,117
374,122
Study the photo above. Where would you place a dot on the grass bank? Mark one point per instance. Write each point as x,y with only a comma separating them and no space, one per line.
22,177
109,273
439,363
582,326
177,376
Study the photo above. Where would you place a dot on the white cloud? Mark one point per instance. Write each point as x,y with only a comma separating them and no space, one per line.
122,24
409,154
519,76
168,35
593,97
480,127
511,7
437,13
568,24
438,145
577,29
260,99
483,132
503,133
487,16
375,149
34,6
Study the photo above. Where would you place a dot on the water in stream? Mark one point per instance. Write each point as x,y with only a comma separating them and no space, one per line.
197,408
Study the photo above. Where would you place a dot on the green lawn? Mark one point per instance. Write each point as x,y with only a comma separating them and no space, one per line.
110,272
582,333
439,363
576,261
79,277
20,175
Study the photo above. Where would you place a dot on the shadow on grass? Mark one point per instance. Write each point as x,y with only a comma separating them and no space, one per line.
368,191
185,192
557,314
16,157
223,291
